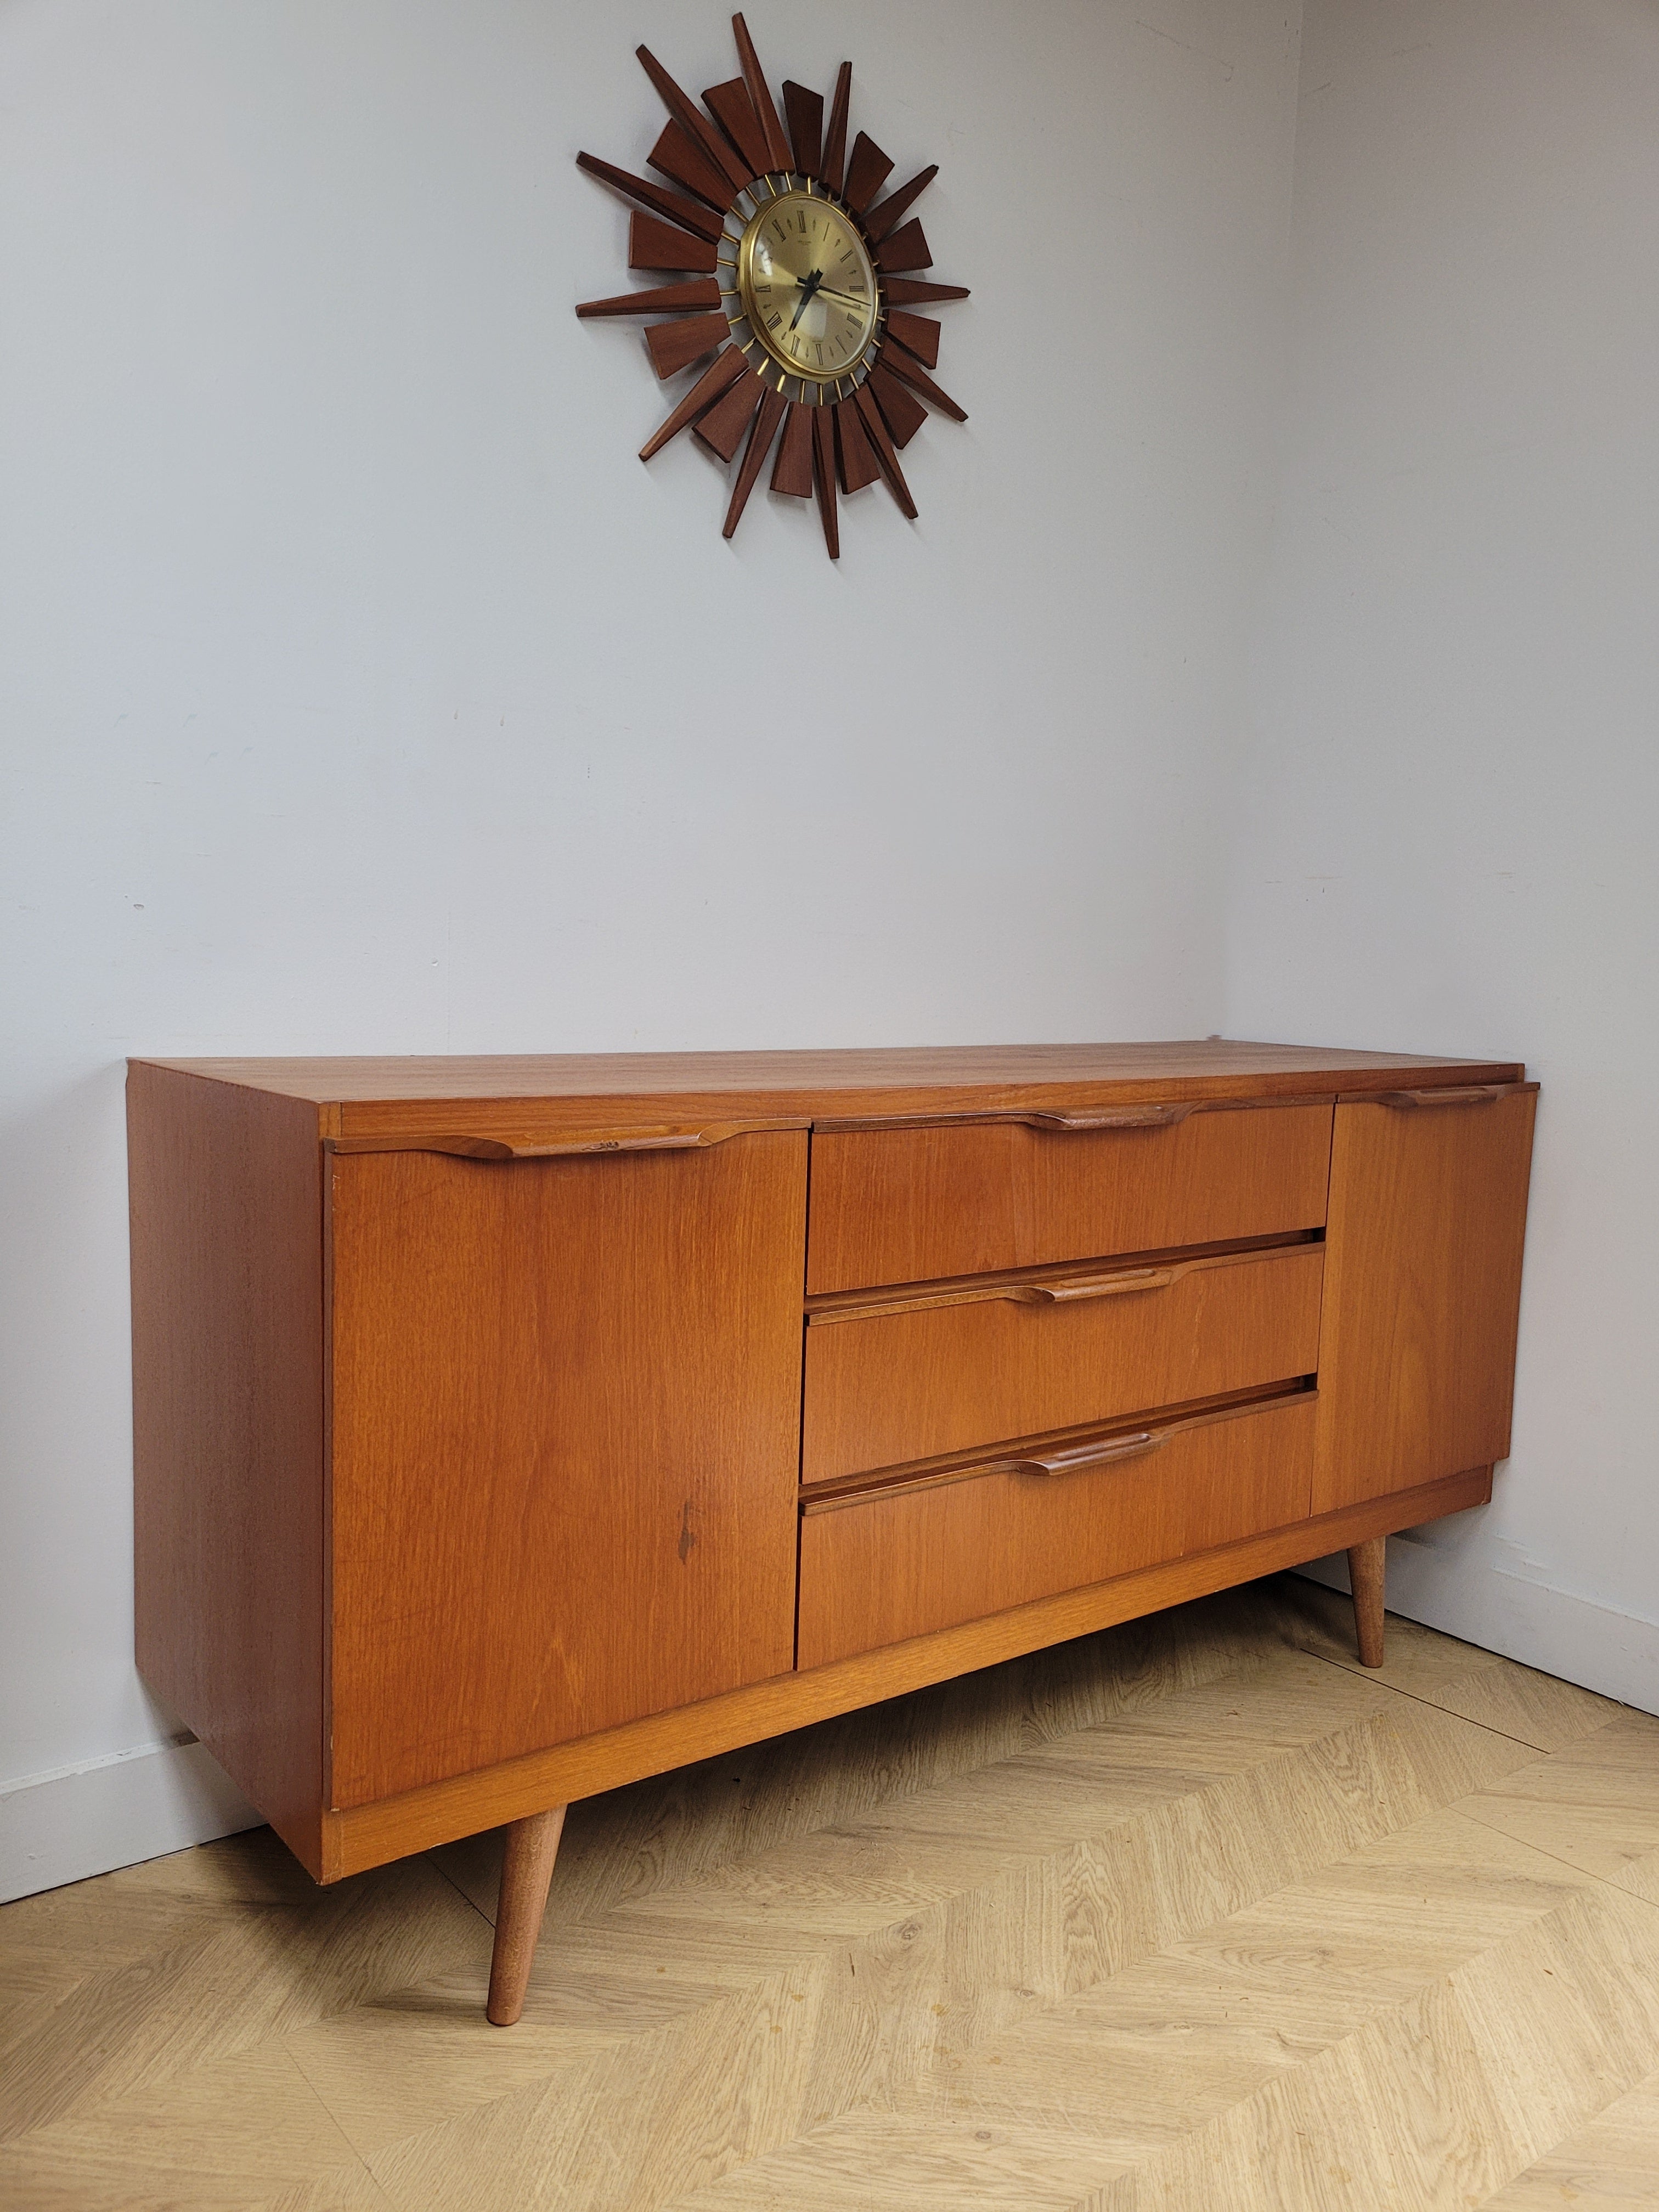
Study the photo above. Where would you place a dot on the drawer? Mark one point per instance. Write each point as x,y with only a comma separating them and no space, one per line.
1020,1359
942,1199
882,1565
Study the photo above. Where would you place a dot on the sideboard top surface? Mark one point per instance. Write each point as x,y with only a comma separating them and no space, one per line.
368,1095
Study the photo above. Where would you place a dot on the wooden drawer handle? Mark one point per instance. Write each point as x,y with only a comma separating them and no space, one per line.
1082,1455
1062,1290
1095,1286
1123,1117
1471,1094
568,1143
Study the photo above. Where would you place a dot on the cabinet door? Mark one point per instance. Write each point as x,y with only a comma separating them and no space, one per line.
566,1429
1428,1210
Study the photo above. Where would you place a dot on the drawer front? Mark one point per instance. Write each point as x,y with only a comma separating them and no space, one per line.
915,1205
893,1387
889,1565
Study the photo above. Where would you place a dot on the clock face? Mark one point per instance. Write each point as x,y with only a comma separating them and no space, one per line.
806,284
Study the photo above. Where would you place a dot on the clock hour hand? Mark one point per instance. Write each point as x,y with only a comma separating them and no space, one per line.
809,285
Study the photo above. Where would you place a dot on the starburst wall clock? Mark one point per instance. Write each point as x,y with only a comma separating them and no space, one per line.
793,284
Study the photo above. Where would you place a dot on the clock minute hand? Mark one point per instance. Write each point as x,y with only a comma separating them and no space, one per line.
809,285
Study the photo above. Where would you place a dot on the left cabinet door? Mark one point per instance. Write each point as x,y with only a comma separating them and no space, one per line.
565,1426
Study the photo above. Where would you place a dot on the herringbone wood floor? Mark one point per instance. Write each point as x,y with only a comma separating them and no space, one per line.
1191,1914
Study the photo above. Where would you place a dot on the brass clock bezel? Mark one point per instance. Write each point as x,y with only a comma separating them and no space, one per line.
854,368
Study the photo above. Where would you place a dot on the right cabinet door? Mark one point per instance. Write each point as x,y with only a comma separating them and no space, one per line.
1427,1217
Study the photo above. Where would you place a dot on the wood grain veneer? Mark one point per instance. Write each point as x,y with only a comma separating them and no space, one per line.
1428,1220
229,1428
1055,1352
375,1834
566,1431
893,1079
907,1205
883,1566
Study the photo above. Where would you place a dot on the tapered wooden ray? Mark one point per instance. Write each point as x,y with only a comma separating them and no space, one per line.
904,363
792,471
903,411
858,463
674,205
867,172
917,333
760,96
730,106
675,346
906,249
806,111
722,427
686,111
773,408
677,154
912,292
823,477
880,220
882,446
654,245
834,145
697,402
661,298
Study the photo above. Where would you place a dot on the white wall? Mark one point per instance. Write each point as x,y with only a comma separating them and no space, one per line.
361,692
1449,806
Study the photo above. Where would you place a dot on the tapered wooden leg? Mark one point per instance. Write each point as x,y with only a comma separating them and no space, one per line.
531,1847
1365,1563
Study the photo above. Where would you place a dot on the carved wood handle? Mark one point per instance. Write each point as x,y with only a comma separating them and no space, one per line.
1101,1454
1095,1286
1467,1094
566,1144
1121,1117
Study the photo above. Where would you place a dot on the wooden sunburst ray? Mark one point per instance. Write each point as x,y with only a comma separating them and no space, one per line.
723,161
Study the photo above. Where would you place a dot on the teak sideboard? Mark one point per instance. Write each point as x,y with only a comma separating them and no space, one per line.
509,1429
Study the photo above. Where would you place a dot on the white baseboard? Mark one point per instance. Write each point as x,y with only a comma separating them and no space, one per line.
1505,1607
112,1813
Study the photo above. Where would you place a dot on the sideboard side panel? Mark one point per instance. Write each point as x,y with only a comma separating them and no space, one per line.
566,1444
1428,1216
226,1207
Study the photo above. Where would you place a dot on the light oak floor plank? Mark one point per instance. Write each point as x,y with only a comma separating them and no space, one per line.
1608,2167
1194,1913
1594,1804
1481,1686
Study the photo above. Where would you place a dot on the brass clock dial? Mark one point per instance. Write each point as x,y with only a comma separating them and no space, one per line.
805,282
